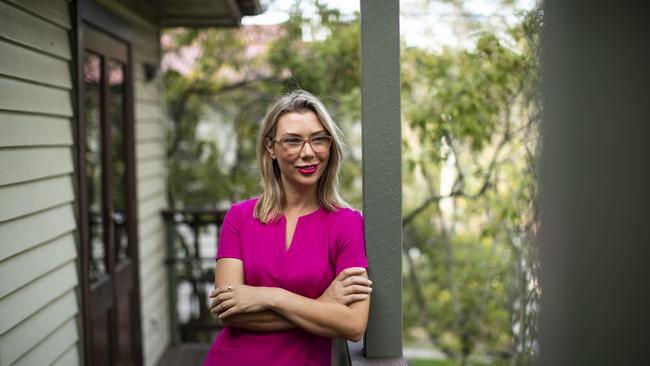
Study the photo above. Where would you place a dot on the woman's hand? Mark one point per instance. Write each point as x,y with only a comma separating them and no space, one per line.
236,299
351,285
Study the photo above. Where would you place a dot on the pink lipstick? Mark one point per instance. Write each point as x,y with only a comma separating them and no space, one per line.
308,169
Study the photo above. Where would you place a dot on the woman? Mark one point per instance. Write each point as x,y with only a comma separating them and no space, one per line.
291,265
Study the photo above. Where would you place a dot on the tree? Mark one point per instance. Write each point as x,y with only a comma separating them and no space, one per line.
242,87
471,123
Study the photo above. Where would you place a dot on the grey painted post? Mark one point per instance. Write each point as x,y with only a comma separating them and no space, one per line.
595,191
382,175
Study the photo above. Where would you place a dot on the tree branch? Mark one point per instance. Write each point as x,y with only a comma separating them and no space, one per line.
460,192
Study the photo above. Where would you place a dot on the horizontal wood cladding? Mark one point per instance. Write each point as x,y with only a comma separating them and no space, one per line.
154,264
39,295
27,300
152,184
19,235
69,357
26,164
53,346
151,246
54,11
35,329
23,63
18,129
152,196
147,47
147,91
148,168
21,96
145,131
152,206
27,198
146,150
34,32
148,111
30,265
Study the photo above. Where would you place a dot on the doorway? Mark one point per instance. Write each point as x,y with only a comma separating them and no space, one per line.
109,248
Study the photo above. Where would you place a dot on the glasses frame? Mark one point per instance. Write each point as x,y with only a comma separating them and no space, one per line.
304,140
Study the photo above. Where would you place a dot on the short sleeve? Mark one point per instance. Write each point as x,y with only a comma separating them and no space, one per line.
229,244
350,242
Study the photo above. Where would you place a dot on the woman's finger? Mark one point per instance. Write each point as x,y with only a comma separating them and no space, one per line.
224,306
231,311
357,289
355,297
214,301
357,280
223,297
218,290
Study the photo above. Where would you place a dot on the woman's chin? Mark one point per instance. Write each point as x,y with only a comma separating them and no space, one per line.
306,181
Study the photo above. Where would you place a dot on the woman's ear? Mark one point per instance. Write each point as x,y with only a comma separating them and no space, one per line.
268,144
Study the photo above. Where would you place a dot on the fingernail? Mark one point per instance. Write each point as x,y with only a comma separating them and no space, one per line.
369,282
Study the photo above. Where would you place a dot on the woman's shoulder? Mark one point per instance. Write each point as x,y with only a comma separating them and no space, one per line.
346,224
245,206
346,213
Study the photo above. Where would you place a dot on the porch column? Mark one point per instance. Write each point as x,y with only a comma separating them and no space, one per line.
382,177
595,191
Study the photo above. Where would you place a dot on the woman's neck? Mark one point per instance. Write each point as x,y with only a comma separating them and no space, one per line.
300,201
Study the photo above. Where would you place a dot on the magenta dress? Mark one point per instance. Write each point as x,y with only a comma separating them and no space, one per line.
324,243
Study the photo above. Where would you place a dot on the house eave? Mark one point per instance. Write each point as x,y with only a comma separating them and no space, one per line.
190,13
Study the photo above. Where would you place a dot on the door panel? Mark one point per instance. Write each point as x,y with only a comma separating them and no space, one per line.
124,331
100,341
109,164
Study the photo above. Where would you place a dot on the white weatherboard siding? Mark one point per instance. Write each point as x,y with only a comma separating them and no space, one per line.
152,194
39,278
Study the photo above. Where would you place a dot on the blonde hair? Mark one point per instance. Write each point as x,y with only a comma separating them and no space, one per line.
271,204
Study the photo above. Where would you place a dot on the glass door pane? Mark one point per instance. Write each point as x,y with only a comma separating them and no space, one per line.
93,158
116,113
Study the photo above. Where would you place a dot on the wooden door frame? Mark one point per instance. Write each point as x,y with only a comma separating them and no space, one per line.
86,13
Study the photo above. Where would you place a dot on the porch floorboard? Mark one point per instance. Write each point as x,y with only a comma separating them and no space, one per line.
188,354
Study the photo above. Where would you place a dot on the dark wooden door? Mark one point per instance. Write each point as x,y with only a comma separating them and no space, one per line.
109,258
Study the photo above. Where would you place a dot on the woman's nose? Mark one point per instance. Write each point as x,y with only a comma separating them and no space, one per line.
307,151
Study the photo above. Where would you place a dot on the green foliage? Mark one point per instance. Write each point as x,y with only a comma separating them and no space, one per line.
474,113
329,68
467,115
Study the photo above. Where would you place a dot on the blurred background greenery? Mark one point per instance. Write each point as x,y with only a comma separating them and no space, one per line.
470,129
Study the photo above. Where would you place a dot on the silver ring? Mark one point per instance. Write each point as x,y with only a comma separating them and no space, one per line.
229,288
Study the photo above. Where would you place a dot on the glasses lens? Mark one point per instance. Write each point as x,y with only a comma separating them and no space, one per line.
320,143
292,143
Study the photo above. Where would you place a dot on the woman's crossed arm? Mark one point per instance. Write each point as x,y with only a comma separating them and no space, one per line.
341,311
230,271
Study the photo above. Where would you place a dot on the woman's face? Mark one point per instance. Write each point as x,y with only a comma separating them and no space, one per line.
299,167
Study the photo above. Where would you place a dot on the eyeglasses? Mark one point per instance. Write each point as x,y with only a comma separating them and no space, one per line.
294,144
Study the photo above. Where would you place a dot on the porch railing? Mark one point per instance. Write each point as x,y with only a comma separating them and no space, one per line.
191,251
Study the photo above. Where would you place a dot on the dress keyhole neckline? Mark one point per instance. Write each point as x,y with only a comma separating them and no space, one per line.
295,229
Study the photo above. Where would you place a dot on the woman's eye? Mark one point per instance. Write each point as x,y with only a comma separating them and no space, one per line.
292,141
321,140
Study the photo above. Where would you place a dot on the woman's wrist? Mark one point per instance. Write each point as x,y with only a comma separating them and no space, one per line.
271,296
